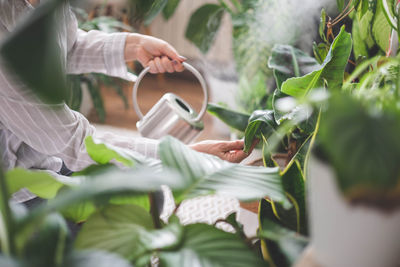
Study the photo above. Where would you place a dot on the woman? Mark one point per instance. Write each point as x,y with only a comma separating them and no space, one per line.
34,136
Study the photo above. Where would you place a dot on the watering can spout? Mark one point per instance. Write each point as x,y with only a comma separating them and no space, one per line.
171,115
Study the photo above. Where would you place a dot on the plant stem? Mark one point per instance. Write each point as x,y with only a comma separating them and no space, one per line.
224,5
6,220
237,5
154,211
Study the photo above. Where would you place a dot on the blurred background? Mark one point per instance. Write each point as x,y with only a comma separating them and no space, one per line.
229,44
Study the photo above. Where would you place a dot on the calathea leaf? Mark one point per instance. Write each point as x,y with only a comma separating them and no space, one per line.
331,71
208,175
234,119
116,229
203,26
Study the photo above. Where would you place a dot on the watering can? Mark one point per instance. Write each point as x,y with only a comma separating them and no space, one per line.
171,115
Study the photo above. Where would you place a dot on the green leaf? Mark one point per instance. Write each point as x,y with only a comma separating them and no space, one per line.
360,48
260,122
170,8
381,29
103,154
204,245
95,259
331,71
284,246
232,118
146,10
210,175
322,25
203,26
155,9
75,97
363,151
291,62
33,53
294,184
115,229
41,183
130,182
48,246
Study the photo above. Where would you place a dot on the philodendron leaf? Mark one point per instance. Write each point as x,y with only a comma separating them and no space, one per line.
170,8
41,183
363,146
116,229
234,119
284,246
210,175
32,52
203,26
95,259
331,71
260,122
205,245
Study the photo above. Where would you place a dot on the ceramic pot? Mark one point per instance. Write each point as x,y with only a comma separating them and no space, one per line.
345,235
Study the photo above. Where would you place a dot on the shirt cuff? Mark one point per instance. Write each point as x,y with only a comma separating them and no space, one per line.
114,57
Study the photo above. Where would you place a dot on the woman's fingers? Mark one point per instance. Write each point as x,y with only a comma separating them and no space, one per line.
167,64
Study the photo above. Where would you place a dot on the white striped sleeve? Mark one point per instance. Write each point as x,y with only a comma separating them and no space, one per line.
95,51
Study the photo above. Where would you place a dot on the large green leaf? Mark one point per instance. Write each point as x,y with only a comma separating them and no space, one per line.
41,183
101,187
170,8
294,185
260,122
33,53
291,62
103,154
284,246
115,229
362,145
209,175
48,246
331,71
203,26
234,119
204,245
381,29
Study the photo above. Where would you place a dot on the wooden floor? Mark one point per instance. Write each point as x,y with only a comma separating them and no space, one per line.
151,89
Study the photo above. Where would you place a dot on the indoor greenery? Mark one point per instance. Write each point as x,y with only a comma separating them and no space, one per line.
355,121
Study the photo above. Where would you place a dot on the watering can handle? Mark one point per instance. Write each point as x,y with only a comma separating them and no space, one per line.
188,67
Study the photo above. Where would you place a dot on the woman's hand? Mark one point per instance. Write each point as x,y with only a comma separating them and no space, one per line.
227,150
154,53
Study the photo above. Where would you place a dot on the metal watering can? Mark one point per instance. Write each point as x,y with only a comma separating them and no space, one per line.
171,115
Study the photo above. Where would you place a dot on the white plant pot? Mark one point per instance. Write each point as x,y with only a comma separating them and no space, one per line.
345,235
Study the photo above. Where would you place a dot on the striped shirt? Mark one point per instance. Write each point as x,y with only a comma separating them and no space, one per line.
35,136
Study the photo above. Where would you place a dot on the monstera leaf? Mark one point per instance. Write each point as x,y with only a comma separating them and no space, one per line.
261,122
330,72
